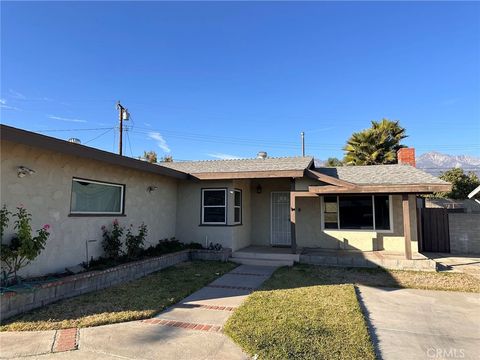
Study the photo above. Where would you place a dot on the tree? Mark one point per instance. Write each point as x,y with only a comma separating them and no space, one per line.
166,158
333,162
462,184
376,145
150,156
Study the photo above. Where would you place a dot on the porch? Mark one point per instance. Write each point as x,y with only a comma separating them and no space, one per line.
282,256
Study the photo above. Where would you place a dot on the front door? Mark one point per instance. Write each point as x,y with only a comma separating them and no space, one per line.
280,224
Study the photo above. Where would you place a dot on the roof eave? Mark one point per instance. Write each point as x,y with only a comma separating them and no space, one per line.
248,175
382,188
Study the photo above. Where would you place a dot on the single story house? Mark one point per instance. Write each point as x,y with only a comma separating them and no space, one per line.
269,202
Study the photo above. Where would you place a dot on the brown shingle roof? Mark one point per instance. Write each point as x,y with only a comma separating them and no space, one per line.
381,174
241,165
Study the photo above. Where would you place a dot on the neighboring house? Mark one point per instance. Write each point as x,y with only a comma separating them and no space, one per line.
265,201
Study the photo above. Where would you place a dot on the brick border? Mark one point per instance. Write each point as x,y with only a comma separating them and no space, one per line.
184,325
247,274
206,307
65,340
231,287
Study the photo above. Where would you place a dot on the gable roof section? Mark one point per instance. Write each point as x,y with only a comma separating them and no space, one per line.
244,168
381,179
381,175
8,133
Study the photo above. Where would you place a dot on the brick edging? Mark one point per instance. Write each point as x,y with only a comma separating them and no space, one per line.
184,325
65,340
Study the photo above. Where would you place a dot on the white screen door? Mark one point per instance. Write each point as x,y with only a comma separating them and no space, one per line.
280,226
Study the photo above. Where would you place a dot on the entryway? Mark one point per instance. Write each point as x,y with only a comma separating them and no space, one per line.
280,219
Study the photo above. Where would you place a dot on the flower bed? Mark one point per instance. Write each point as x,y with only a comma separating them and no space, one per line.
13,303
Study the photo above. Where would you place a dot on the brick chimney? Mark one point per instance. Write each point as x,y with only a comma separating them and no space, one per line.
406,156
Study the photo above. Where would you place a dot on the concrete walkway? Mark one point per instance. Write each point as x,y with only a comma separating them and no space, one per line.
422,324
191,329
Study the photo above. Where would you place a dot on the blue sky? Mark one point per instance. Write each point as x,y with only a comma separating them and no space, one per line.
207,80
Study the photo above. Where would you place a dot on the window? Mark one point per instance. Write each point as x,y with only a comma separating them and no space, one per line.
93,197
214,206
237,207
330,212
370,212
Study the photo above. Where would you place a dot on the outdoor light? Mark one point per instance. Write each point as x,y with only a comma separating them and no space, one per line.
23,171
151,189
259,189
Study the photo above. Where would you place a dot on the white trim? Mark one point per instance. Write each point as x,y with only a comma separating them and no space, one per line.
214,206
237,206
390,211
122,191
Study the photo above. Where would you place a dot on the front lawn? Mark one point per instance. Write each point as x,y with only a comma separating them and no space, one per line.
313,322
134,300
312,312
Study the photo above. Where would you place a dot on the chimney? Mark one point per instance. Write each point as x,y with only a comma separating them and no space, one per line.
262,155
406,156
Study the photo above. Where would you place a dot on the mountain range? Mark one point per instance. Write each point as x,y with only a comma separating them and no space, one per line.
435,162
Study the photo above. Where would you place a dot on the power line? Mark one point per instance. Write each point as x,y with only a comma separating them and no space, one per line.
95,138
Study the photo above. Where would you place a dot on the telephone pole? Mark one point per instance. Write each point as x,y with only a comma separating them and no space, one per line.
122,115
302,134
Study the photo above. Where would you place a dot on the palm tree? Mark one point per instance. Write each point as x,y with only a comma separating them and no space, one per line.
376,145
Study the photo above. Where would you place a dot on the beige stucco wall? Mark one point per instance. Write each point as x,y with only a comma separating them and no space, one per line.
310,233
46,195
189,228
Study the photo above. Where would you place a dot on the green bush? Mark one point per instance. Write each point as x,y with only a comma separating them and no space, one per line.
134,243
23,247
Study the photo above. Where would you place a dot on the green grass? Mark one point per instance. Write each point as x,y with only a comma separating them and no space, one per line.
134,300
312,312
305,322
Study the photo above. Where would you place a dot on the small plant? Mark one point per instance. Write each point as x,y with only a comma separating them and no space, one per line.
134,243
112,244
23,247
4,220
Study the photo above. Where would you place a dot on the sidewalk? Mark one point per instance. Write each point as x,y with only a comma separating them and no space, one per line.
191,329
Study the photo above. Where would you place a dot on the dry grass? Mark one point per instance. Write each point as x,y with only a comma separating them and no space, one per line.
381,277
135,300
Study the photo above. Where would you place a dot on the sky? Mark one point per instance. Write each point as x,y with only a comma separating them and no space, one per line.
208,80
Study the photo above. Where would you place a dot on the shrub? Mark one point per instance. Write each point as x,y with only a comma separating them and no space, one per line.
23,247
134,243
112,243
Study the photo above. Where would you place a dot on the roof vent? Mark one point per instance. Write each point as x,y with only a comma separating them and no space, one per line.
262,155
74,140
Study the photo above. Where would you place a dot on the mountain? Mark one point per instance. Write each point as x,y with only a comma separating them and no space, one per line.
435,162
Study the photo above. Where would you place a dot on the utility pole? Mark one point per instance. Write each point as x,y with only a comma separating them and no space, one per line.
302,134
122,115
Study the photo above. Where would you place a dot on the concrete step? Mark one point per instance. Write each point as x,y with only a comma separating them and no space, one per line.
266,256
261,262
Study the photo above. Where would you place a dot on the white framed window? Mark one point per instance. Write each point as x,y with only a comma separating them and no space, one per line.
357,212
214,206
91,197
237,206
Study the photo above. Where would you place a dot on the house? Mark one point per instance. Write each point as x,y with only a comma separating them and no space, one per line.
267,202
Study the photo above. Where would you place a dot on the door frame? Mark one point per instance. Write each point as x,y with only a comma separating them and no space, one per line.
271,219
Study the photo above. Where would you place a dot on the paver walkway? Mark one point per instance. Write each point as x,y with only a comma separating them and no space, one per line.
422,324
190,329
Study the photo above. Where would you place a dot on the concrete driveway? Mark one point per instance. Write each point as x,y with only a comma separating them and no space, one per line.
422,324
